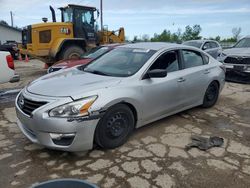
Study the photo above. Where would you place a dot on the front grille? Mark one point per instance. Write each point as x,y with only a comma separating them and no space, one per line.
237,60
28,106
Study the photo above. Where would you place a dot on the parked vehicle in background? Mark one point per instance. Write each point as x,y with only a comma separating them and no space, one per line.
6,67
87,58
237,61
75,34
210,46
12,47
127,88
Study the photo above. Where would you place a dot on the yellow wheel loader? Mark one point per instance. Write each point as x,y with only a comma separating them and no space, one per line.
70,38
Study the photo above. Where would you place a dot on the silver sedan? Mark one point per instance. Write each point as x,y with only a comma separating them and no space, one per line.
209,46
125,89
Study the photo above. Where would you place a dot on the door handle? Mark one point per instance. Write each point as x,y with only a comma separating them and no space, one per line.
181,80
207,71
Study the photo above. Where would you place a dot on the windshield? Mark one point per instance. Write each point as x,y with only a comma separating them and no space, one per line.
96,52
193,43
120,62
67,15
243,43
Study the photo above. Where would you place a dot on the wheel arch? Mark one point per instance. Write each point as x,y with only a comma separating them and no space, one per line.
126,104
207,101
64,43
132,107
214,80
217,81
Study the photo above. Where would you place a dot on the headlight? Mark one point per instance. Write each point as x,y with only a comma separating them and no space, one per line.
74,109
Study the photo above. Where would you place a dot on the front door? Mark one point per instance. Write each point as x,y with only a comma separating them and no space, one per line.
162,94
210,49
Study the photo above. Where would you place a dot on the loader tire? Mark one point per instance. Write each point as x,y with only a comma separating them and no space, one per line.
72,52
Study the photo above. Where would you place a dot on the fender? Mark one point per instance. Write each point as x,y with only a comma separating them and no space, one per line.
60,42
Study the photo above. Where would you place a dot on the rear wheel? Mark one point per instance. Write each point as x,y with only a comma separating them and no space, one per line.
211,95
72,52
115,127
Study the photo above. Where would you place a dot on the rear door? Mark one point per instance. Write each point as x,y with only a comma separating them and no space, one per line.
211,48
162,94
216,49
195,77
208,48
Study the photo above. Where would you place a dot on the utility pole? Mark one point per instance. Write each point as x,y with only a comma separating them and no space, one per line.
101,15
11,17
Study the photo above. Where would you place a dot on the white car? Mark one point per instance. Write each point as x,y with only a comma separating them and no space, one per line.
236,60
7,67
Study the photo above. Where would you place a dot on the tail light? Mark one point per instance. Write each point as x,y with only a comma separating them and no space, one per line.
10,62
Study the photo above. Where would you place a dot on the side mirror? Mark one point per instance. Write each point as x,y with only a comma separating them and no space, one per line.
156,73
204,48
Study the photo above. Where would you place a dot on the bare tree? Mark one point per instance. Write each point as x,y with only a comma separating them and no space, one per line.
236,32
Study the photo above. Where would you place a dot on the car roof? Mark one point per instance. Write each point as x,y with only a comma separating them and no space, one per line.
152,45
202,40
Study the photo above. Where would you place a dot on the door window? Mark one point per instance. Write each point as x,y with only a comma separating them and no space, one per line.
87,18
168,61
214,45
192,58
67,15
206,46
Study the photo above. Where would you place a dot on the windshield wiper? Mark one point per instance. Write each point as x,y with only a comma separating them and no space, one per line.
96,72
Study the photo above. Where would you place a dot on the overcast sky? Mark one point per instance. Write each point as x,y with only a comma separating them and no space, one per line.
138,17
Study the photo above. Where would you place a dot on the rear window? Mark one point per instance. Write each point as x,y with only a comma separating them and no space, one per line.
196,44
192,58
214,45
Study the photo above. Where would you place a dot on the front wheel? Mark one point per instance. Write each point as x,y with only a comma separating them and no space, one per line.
72,52
115,127
211,95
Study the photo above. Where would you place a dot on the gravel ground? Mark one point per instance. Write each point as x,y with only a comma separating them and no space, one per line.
154,156
27,71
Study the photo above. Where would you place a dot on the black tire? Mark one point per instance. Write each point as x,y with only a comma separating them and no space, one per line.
211,95
72,52
115,127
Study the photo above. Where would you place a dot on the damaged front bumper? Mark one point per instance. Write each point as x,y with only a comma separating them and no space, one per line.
238,73
67,134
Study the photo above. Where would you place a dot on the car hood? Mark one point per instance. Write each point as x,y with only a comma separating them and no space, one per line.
71,63
237,52
70,82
